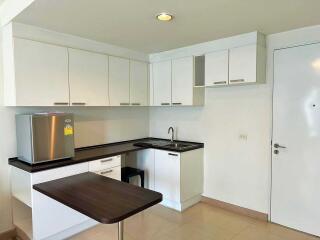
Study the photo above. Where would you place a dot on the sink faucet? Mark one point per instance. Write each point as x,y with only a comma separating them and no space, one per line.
172,135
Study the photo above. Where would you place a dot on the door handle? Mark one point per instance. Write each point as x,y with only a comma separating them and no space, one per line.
276,145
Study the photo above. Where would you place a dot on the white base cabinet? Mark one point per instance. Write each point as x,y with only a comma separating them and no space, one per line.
179,177
63,221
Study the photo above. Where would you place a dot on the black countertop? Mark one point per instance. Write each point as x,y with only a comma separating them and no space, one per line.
97,152
110,200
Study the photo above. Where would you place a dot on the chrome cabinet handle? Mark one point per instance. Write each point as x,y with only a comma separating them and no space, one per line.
78,103
105,172
124,104
176,103
276,145
237,80
61,103
135,104
165,104
106,160
221,82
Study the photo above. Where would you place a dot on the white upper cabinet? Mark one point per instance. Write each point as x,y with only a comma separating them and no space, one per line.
88,78
119,83
243,64
161,74
182,81
40,74
139,83
216,68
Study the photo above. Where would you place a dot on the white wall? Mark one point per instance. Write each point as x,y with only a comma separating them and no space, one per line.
236,169
236,126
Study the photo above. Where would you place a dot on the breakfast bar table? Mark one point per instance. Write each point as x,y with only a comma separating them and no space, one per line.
101,198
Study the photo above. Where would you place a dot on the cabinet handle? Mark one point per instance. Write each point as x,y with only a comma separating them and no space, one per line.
78,103
124,104
106,160
165,104
177,103
105,172
61,103
236,80
221,82
135,104
173,154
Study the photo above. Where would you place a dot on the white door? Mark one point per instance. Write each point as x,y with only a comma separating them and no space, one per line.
217,68
296,139
167,174
88,78
119,85
161,74
243,64
41,74
182,81
139,87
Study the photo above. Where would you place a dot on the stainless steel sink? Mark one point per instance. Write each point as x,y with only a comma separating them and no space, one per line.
179,145
165,144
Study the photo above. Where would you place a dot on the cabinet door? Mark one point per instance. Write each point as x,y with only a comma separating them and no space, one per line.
167,174
182,81
243,65
119,89
161,83
88,78
216,68
139,83
41,74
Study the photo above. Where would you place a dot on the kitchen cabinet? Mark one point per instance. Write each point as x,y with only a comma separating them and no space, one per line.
217,68
247,64
174,82
88,78
108,167
119,81
167,175
179,177
139,83
161,75
37,74
182,81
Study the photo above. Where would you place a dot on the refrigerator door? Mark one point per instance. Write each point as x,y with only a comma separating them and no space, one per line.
52,137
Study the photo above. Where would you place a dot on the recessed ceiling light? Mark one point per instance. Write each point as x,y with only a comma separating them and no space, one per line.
164,17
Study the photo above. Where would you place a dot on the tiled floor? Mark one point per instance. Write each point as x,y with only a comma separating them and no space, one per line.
201,222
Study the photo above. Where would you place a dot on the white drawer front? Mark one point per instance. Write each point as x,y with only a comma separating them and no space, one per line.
105,163
61,172
114,173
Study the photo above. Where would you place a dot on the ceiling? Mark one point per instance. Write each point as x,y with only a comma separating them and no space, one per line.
132,23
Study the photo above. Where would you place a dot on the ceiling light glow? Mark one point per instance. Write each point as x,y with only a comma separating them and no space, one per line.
164,17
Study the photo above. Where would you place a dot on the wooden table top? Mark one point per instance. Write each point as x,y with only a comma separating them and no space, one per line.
101,198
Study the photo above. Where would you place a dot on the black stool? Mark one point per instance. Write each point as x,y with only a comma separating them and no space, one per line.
128,172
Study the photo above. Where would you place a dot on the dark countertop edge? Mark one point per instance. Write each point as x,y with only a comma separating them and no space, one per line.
67,162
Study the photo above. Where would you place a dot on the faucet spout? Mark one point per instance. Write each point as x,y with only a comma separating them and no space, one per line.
171,129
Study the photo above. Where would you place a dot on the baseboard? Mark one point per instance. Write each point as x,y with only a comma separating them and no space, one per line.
10,234
236,209
178,206
21,234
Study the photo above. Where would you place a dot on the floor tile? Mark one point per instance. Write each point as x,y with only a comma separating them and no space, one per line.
200,222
